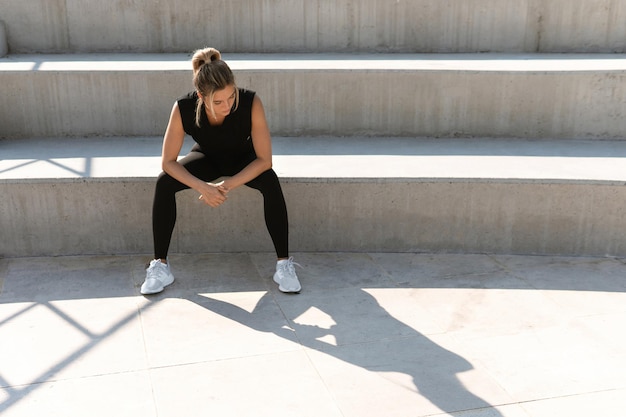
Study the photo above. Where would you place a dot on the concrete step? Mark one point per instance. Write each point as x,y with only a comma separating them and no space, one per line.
77,196
481,95
317,25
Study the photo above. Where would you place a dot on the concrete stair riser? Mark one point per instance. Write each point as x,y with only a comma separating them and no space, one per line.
73,217
112,215
317,25
82,103
532,104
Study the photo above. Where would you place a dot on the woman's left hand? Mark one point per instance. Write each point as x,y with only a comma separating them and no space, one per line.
223,187
212,195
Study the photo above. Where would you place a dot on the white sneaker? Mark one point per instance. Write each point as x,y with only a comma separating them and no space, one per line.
286,277
158,276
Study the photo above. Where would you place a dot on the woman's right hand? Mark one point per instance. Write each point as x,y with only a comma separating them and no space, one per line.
211,194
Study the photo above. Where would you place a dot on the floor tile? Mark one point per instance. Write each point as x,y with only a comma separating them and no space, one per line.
471,312
66,278
120,395
610,403
435,270
548,362
283,385
567,273
214,326
417,373
69,338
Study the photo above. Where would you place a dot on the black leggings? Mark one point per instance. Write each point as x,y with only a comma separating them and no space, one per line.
164,206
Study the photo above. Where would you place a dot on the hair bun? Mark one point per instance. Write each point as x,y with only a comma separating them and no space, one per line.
215,55
204,56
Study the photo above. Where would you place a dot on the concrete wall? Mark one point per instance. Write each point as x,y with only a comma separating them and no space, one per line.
4,46
316,25
492,103
114,217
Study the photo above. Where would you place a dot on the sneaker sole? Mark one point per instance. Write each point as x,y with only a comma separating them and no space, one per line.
289,291
152,292
285,290
157,290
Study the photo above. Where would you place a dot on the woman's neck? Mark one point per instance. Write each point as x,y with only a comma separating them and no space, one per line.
214,120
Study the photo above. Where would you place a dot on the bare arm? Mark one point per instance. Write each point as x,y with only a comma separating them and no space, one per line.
262,142
172,144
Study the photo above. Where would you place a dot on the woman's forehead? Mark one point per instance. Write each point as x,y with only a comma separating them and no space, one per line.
224,93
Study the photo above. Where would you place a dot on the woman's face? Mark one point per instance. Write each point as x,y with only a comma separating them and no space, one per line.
223,101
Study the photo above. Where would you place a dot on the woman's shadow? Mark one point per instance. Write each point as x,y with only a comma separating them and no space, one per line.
353,327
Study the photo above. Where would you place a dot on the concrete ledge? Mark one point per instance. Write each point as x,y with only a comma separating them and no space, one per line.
358,194
486,95
316,25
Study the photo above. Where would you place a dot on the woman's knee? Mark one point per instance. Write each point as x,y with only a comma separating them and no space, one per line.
167,183
266,182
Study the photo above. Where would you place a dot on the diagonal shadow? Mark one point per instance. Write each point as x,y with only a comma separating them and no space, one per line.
86,172
19,166
387,346
16,394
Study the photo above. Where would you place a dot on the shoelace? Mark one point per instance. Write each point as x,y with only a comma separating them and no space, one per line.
289,266
155,269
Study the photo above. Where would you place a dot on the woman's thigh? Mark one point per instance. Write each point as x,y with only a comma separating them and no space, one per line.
266,181
199,166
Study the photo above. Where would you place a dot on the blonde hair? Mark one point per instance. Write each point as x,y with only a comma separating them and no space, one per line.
211,74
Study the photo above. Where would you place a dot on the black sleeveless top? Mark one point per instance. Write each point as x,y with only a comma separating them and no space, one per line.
229,142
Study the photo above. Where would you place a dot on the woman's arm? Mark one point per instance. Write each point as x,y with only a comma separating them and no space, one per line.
262,142
172,144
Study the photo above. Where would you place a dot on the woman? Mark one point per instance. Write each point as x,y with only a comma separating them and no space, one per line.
232,141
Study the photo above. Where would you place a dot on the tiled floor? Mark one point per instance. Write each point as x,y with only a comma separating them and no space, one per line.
370,335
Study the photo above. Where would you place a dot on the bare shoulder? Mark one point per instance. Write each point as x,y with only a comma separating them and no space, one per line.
175,124
257,104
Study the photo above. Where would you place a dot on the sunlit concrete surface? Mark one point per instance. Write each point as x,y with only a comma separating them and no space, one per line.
371,334
334,157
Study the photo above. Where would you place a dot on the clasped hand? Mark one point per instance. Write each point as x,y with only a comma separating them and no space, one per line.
214,194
